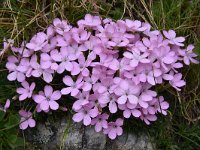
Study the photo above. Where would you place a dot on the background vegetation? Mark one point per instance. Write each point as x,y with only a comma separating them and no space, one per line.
180,130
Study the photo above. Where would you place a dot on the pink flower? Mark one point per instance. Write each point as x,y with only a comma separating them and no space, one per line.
37,70
188,55
37,42
148,73
26,120
106,85
112,37
47,62
76,50
74,87
16,69
61,26
48,98
82,99
127,111
89,82
111,99
122,65
100,122
6,106
136,57
127,93
25,91
85,114
147,118
114,129
90,21
162,105
63,57
145,97
81,66
134,25
176,82
107,67
22,50
80,35
171,35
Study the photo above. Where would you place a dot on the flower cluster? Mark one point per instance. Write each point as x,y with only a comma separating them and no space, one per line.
106,66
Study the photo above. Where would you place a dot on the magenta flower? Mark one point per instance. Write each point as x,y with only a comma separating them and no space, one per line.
100,122
26,120
26,91
48,98
85,114
74,87
114,129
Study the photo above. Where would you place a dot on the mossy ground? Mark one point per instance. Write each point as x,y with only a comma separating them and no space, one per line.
180,130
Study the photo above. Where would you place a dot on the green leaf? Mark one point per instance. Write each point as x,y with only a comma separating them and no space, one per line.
11,138
19,142
13,120
2,114
1,146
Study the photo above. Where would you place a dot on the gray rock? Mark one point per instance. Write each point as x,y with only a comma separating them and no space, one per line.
73,139
66,135
126,141
94,140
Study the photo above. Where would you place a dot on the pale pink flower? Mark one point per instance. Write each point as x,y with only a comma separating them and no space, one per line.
61,26
171,35
114,129
85,114
37,42
100,122
26,120
6,106
73,87
26,91
48,99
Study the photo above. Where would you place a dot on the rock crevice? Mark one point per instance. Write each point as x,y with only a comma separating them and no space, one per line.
73,136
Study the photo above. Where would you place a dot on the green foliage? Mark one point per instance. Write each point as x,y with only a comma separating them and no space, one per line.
9,131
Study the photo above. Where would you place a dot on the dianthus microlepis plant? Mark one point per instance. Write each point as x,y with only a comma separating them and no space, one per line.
109,67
